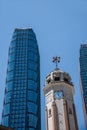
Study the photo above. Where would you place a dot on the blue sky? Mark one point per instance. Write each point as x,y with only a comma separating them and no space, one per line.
60,27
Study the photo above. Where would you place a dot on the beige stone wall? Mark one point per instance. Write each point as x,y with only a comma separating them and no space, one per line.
65,117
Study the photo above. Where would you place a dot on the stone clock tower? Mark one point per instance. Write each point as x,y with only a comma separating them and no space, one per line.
60,108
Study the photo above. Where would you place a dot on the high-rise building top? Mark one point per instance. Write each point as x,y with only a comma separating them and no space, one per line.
21,109
60,108
83,45
83,78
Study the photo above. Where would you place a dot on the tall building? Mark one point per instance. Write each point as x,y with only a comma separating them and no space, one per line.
83,78
21,109
60,108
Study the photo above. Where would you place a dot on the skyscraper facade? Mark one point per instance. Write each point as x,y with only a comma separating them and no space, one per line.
21,109
83,78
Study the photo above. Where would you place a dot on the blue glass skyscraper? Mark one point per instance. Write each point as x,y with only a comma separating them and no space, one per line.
83,78
21,109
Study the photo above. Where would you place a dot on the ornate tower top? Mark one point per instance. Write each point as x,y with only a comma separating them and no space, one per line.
58,76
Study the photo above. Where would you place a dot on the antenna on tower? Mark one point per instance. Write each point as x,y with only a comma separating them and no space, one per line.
56,60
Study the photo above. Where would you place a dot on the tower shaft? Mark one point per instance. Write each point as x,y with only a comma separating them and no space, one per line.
60,109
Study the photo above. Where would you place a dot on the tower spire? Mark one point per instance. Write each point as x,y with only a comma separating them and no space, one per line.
56,60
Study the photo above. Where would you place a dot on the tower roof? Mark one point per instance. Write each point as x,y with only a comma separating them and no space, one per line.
58,76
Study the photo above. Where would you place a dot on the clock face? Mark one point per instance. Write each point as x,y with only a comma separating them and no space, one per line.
58,94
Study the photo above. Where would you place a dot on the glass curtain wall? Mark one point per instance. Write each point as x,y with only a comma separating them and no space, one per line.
83,78
21,109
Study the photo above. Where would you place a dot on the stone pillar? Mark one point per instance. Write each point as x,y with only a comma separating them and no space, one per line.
75,119
66,115
54,116
51,76
46,111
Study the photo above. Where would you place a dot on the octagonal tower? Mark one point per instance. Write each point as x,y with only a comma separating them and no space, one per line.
60,108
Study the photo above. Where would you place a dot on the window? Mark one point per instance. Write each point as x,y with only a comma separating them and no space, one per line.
32,65
8,97
9,86
49,80
31,129
32,120
11,57
32,85
7,109
49,112
32,43
32,56
5,121
57,78
32,96
12,50
32,74
32,49
10,75
65,79
13,43
70,111
32,108
31,33
10,66
18,128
